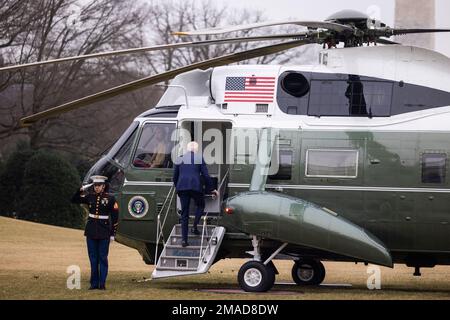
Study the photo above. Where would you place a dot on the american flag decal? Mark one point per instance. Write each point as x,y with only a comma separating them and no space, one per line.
249,89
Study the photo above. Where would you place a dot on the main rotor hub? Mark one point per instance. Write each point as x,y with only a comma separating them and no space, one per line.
348,17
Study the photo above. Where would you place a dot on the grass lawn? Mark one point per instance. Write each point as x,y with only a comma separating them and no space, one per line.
34,260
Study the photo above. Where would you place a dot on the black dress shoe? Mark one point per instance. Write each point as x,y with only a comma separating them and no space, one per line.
92,288
195,231
102,288
184,244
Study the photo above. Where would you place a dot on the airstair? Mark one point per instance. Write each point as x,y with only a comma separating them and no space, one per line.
196,258
176,260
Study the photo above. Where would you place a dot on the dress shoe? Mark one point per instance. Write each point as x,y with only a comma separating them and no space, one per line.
101,288
195,231
93,288
184,244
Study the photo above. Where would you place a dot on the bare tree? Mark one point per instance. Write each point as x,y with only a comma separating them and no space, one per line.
50,29
168,16
16,17
66,28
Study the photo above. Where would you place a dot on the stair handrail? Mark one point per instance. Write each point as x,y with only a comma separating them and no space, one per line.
159,226
201,256
223,179
168,207
208,246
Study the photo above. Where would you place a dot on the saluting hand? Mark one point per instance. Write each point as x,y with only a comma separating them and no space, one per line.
85,187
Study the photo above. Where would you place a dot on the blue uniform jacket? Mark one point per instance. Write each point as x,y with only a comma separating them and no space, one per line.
99,204
188,170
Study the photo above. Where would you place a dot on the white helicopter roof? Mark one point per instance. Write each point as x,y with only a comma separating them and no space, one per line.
202,93
394,62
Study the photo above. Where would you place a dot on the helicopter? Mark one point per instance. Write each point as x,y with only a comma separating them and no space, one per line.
344,160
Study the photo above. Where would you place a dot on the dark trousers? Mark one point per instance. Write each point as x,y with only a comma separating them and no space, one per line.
185,199
98,256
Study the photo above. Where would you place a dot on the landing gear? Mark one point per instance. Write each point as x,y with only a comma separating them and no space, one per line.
254,276
258,275
308,272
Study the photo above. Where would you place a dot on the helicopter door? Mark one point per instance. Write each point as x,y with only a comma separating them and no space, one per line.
149,177
212,137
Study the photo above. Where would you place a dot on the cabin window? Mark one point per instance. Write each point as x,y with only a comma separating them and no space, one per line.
434,166
353,97
155,146
332,163
284,172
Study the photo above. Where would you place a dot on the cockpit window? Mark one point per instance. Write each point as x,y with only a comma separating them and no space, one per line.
155,146
123,155
112,164
118,150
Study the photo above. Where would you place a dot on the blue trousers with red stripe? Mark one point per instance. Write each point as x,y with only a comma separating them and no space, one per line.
98,250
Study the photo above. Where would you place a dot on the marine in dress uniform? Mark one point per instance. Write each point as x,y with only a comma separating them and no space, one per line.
100,229
187,180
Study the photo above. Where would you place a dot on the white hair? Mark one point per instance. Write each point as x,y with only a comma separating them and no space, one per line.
192,146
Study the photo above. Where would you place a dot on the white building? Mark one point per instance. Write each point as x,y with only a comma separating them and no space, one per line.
416,14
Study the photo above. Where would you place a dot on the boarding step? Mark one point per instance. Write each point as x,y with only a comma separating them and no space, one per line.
179,263
196,258
193,240
211,221
208,229
179,251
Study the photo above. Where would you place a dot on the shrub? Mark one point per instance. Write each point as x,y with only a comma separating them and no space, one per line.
11,179
48,184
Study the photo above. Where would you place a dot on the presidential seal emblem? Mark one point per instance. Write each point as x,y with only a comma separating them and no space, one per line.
138,206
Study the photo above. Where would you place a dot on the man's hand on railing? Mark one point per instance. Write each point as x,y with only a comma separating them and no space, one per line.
215,194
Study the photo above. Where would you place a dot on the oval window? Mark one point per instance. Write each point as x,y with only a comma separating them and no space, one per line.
295,84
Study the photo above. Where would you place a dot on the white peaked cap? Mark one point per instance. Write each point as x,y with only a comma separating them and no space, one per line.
99,179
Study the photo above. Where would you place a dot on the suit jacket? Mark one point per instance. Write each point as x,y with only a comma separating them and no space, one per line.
189,168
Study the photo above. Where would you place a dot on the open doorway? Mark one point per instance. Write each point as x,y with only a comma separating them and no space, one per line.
212,137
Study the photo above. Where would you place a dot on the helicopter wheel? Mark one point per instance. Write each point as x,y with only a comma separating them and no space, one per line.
254,276
308,272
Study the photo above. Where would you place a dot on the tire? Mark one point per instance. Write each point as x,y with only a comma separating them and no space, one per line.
322,272
308,272
254,276
272,265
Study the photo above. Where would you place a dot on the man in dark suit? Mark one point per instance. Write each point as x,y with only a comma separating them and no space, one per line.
189,168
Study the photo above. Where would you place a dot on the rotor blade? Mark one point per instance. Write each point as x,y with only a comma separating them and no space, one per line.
134,85
159,47
397,32
309,24
386,41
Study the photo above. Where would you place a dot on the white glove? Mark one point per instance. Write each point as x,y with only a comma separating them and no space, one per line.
85,187
111,238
